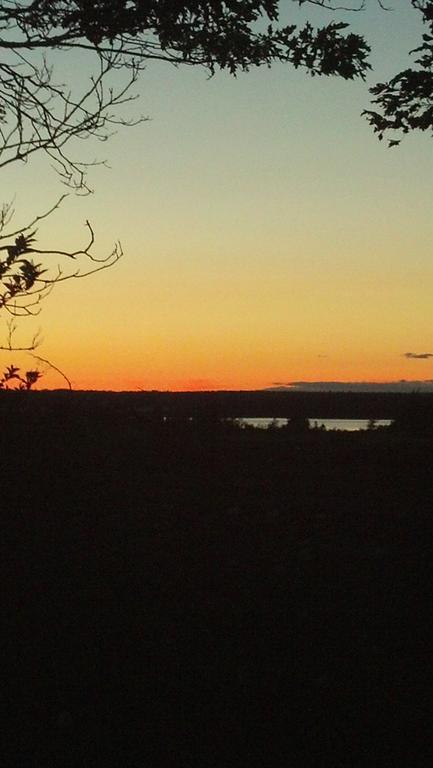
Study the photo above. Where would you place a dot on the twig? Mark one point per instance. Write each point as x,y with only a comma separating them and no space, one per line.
40,217
54,367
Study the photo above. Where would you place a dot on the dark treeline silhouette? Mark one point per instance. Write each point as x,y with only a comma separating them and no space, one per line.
242,404
185,592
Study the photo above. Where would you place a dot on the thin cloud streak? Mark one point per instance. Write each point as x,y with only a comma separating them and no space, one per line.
424,385
418,355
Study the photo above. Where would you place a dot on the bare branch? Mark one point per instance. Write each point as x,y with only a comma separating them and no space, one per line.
6,214
331,7
9,346
356,8
38,114
34,221
54,368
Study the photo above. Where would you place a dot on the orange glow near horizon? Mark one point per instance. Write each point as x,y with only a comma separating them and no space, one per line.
84,381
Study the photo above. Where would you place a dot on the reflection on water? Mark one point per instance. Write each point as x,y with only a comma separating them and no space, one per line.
348,425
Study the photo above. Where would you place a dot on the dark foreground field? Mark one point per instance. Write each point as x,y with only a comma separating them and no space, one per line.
188,594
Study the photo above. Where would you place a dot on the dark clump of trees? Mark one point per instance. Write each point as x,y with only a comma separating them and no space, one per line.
298,425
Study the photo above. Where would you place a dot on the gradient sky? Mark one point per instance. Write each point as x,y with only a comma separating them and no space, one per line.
267,234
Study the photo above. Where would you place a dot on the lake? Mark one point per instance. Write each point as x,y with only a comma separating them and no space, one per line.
348,425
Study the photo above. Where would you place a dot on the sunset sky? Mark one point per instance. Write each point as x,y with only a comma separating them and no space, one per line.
268,236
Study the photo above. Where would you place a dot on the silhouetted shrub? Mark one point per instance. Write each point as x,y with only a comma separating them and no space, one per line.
13,379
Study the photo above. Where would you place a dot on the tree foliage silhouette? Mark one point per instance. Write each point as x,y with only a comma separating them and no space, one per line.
39,112
405,103
14,378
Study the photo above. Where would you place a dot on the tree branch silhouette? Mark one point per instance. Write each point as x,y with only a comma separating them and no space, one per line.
9,346
24,283
39,112
53,367
116,39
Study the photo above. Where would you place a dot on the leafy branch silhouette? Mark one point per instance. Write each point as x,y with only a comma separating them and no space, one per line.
12,378
26,279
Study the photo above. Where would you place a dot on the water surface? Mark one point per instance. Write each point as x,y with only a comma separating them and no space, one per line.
347,425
